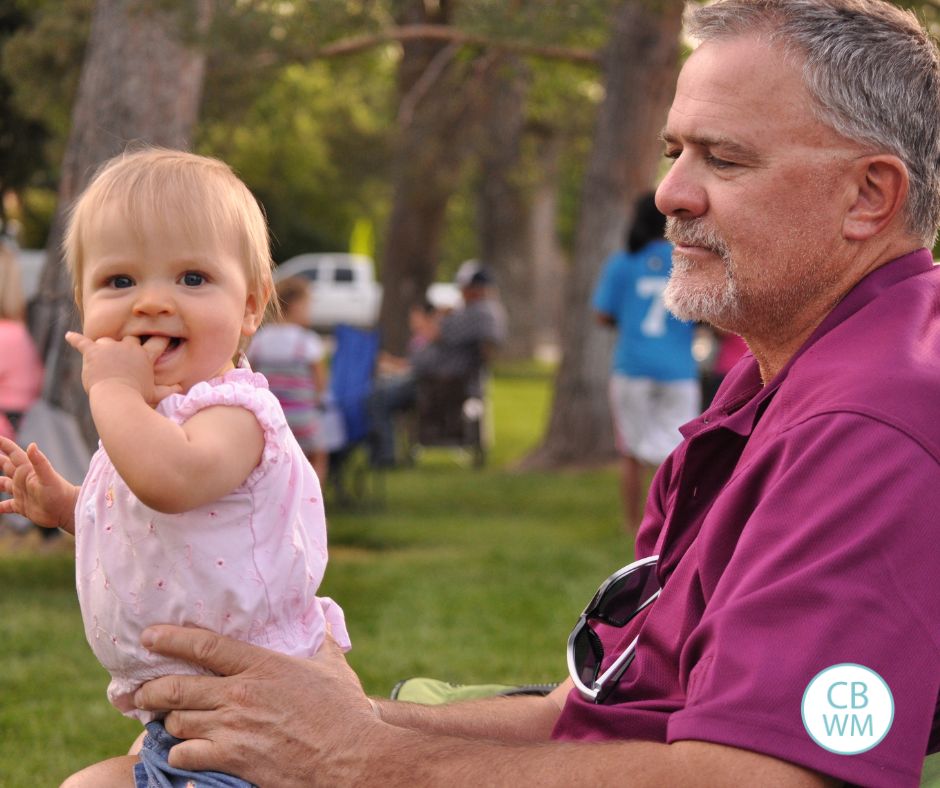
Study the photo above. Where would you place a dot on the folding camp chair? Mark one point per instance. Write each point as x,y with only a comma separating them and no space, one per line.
451,412
352,481
434,691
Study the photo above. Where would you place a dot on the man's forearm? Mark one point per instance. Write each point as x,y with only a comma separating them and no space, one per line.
397,757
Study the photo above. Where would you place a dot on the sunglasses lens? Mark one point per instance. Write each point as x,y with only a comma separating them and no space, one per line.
626,596
588,653
617,601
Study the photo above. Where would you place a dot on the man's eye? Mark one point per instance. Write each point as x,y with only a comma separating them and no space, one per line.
120,281
718,164
192,279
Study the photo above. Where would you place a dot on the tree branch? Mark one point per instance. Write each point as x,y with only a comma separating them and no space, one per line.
429,76
348,46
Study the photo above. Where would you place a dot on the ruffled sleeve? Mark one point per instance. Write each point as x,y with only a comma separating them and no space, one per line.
238,388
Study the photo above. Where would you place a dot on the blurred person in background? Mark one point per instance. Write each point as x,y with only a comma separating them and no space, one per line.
292,357
424,326
654,385
728,350
460,344
20,366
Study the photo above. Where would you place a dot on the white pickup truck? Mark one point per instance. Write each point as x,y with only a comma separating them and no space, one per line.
343,287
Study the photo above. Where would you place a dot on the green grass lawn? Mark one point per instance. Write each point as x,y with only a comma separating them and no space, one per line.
468,575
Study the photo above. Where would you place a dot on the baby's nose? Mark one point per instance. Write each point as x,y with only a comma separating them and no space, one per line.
154,299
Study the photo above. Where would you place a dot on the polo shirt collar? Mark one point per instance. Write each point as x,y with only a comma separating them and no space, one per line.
745,399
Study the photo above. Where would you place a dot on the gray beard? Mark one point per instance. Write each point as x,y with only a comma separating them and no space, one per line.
715,303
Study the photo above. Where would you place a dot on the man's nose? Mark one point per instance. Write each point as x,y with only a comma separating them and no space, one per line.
154,299
681,193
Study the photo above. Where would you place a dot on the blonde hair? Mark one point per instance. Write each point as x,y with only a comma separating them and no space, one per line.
186,193
12,305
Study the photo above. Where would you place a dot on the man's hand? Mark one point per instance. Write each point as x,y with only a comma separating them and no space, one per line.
268,718
39,493
127,362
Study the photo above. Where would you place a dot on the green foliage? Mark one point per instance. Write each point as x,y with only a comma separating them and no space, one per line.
41,62
312,137
36,208
580,23
314,149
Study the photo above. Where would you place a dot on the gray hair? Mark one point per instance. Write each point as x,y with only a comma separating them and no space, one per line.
872,70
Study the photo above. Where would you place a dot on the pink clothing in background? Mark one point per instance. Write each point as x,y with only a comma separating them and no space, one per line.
20,372
247,566
730,349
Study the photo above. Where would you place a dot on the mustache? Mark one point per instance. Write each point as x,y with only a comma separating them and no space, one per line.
694,232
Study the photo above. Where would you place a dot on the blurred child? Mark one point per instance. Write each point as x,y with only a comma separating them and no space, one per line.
20,367
199,508
293,359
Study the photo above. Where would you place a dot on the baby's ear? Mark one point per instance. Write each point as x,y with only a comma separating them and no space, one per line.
254,312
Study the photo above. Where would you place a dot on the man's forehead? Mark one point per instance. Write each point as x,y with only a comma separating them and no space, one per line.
737,90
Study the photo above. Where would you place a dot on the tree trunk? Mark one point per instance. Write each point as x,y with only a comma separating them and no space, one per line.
439,114
640,67
549,267
504,205
141,82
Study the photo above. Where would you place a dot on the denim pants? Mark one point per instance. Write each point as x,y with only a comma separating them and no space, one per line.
153,771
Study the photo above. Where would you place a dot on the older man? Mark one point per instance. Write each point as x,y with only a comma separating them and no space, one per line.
793,532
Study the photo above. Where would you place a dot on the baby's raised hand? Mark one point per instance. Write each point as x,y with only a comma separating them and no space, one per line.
39,493
126,361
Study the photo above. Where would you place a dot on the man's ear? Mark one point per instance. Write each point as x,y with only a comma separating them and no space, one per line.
881,185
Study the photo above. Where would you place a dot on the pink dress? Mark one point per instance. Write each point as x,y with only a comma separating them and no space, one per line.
20,372
247,566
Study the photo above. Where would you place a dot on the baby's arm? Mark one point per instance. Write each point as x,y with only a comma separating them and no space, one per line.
170,467
39,493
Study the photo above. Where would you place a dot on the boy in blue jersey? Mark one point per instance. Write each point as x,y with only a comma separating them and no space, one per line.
654,379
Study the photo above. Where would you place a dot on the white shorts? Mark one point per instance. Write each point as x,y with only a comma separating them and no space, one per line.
648,413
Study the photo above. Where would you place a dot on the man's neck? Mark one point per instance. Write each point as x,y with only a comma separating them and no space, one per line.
774,349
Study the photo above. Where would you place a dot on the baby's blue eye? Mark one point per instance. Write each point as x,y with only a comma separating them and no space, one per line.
120,281
192,279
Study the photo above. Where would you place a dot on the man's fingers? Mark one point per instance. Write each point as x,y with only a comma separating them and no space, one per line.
154,346
218,653
329,647
191,724
177,692
195,755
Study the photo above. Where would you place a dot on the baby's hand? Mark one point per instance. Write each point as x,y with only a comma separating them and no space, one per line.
125,361
39,493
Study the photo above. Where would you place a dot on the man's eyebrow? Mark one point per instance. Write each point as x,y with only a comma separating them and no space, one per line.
724,144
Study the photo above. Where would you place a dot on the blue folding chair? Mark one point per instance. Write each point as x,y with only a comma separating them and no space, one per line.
352,369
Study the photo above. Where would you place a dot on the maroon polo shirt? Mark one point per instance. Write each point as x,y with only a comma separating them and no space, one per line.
797,527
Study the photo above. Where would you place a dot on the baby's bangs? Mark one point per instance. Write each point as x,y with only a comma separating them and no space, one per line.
179,194
189,200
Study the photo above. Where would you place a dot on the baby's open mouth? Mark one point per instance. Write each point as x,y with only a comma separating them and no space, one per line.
173,344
